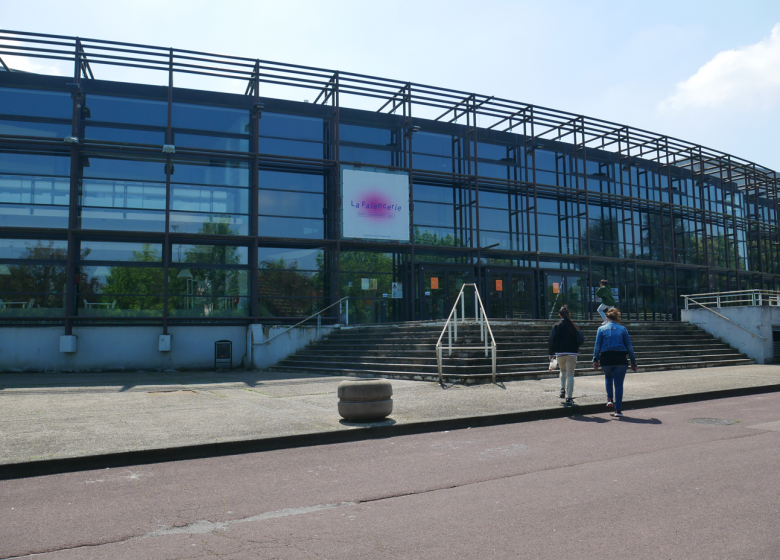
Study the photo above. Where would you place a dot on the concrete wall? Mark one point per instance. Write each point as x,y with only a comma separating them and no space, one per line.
116,348
264,354
755,318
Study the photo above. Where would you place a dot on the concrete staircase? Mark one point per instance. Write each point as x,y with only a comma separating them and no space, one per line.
407,351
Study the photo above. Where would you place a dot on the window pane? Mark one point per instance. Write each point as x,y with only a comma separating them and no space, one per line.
215,172
33,249
280,203
203,117
35,103
220,200
279,282
212,224
17,215
312,150
16,162
123,220
124,135
365,135
366,155
209,292
120,291
291,181
211,142
35,190
291,227
126,110
45,130
433,194
152,170
121,194
209,254
434,214
432,163
283,257
110,251
291,126
429,143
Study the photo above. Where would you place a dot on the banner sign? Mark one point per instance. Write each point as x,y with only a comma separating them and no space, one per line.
374,205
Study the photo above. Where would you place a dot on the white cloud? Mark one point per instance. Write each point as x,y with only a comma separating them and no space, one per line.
746,78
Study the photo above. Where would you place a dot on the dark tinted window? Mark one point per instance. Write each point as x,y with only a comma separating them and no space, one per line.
203,117
13,162
125,169
291,126
32,103
127,111
291,181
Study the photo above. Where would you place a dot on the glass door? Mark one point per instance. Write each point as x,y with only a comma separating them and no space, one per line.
509,294
439,286
565,289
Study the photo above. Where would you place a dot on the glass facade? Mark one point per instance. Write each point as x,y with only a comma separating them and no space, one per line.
240,222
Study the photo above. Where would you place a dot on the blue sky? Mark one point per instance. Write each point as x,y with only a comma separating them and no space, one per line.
706,72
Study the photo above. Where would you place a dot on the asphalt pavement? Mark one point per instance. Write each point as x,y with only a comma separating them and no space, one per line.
695,481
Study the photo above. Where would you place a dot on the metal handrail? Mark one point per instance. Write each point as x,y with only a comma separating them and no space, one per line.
480,317
319,320
737,298
722,316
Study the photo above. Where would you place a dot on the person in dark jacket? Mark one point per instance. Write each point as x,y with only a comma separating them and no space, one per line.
607,301
609,353
565,341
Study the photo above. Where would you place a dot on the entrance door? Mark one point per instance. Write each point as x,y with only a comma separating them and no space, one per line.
565,289
510,294
439,286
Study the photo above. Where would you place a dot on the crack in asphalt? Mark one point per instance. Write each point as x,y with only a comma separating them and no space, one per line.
200,527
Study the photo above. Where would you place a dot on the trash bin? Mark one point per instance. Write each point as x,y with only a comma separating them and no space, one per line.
223,353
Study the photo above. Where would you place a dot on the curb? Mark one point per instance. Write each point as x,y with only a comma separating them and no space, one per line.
203,451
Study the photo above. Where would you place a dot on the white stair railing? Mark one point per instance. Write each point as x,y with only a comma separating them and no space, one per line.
451,327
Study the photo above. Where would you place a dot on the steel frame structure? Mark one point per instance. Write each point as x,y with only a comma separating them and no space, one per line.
477,114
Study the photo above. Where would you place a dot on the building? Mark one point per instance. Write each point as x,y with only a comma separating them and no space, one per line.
135,203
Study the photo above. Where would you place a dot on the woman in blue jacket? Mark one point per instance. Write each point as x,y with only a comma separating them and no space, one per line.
612,345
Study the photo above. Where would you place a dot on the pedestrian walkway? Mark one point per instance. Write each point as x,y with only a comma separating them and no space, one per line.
56,416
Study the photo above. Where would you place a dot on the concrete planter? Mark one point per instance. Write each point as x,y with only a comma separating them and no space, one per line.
365,399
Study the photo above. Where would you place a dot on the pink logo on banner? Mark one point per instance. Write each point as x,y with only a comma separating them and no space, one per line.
376,206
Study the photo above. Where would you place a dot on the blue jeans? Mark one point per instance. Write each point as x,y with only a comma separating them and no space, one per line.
615,375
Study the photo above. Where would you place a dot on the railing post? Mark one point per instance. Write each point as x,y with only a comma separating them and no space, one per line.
347,301
319,325
455,320
462,308
759,299
717,301
484,335
438,361
476,307
449,336
494,363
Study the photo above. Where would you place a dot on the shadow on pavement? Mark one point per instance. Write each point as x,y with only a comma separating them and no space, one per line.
385,422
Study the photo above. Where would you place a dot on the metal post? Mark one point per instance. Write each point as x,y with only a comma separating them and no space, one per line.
449,336
484,335
347,301
462,308
319,325
494,363
476,309
455,320
438,361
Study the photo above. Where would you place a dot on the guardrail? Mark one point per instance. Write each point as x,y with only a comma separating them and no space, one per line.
734,299
319,319
451,326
